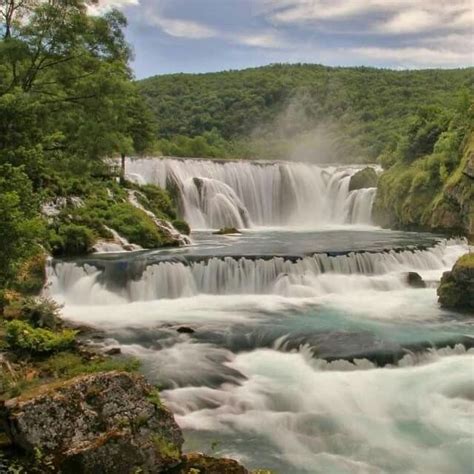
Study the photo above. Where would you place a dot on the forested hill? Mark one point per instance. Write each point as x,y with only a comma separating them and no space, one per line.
358,112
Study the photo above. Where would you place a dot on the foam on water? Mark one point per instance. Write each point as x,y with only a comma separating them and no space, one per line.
405,420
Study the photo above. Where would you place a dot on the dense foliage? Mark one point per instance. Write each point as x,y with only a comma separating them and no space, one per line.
313,111
428,183
67,104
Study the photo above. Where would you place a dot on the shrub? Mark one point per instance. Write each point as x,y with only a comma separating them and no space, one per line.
158,201
31,275
72,239
23,337
38,312
182,226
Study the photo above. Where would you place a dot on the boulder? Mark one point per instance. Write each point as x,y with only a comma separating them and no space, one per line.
365,178
227,231
456,289
202,464
185,330
113,351
414,280
102,423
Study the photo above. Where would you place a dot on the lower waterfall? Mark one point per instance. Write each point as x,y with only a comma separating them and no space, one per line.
309,276
246,194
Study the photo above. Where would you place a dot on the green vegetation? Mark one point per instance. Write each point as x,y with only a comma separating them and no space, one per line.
344,114
426,184
37,349
22,337
68,104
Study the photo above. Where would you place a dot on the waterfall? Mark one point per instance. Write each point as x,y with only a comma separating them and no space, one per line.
309,276
246,194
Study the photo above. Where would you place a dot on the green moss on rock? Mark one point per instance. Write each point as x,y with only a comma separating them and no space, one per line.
365,178
456,289
96,423
198,463
227,231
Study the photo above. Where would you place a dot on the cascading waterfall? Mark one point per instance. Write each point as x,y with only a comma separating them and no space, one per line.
245,194
309,276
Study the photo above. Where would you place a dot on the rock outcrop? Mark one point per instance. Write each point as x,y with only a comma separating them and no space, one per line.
365,178
103,423
456,289
199,463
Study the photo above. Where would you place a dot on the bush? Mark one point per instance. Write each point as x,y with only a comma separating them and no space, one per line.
23,337
158,201
182,226
31,275
72,239
136,226
38,312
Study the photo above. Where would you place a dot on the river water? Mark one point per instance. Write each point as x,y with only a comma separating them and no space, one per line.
298,346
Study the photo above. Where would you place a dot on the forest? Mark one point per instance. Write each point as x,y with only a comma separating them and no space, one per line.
352,114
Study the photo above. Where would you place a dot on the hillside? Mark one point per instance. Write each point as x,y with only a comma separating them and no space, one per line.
277,111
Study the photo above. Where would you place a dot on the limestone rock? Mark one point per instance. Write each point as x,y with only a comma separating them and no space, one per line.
456,289
199,463
103,423
365,178
227,231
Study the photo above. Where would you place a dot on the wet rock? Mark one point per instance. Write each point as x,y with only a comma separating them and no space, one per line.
194,463
414,280
185,330
103,423
365,178
113,351
456,289
227,231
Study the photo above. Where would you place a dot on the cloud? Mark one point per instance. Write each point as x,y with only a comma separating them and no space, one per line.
263,40
183,28
410,21
217,34
387,16
104,5
411,57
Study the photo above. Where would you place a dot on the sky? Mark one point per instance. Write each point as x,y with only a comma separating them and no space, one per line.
170,36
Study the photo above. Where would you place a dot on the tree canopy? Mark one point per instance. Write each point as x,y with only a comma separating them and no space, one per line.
268,111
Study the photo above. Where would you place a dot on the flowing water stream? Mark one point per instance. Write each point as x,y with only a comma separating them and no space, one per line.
299,345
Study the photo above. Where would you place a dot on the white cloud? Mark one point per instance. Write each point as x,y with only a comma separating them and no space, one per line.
183,28
263,40
410,21
104,5
397,15
414,56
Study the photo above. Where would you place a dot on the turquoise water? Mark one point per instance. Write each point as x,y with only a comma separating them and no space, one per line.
336,365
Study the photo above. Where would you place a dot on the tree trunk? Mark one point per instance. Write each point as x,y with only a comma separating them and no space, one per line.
122,168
